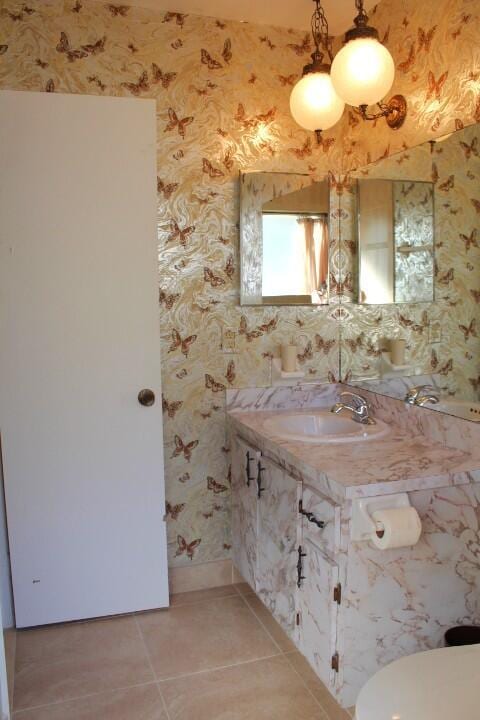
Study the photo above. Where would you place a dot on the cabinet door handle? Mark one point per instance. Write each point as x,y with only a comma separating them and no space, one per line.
300,575
260,489
310,516
247,468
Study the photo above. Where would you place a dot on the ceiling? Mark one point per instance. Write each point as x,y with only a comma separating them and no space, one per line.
286,13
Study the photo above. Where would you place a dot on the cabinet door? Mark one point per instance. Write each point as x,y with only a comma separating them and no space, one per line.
244,509
276,545
318,611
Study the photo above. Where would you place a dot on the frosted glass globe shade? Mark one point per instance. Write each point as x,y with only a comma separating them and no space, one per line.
362,72
314,103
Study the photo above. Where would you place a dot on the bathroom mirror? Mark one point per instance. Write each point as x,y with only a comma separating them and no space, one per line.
395,230
429,294
284,239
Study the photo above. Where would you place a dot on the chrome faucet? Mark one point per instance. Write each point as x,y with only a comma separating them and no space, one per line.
421,395
358,406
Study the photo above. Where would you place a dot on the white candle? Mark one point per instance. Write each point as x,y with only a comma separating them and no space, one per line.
397,351
289,358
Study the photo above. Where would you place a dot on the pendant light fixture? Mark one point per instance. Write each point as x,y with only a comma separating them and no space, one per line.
314,103
363,72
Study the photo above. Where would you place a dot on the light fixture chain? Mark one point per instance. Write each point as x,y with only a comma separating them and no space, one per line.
320,29
362,17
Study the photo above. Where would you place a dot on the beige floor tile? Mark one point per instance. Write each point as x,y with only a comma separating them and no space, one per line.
138,703
270,624
262,690
10,641
58,663
204,636
317,688
190,598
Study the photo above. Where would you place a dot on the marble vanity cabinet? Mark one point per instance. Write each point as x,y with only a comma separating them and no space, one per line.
349,607
287,559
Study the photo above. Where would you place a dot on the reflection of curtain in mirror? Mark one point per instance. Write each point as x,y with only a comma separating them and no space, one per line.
316,255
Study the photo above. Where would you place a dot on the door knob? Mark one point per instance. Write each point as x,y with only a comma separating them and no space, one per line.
146,397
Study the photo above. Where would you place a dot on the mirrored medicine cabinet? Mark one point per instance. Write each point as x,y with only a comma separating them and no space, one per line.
284,239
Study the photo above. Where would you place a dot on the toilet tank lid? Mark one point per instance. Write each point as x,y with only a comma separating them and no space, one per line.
433,685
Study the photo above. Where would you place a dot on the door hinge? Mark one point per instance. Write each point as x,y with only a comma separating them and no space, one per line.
250,459
300,575
335,662
260,489
337,593
297,619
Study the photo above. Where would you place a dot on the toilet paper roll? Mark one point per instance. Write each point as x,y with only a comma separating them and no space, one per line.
396,527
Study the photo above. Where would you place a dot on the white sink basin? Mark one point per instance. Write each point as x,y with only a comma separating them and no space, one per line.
322,426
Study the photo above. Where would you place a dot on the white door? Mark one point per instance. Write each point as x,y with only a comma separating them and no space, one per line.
79,338
4,695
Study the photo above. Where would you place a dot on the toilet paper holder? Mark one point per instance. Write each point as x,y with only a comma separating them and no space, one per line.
363,525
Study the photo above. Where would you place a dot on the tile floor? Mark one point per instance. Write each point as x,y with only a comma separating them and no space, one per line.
214,655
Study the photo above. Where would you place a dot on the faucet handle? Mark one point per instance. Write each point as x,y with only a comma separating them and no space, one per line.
414,392
419,394
360,407
362,401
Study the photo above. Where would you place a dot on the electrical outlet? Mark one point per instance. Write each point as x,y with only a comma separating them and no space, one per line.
435,333
229,340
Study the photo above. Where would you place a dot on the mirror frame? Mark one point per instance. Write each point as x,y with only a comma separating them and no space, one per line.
248,300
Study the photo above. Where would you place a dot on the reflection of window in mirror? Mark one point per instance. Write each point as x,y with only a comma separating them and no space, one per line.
396,241
376,241
295,256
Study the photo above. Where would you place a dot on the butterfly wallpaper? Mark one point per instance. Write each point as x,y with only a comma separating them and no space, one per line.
222,91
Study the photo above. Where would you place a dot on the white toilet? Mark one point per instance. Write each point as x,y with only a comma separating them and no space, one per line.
439,684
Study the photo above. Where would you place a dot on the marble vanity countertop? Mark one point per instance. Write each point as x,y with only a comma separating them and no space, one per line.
343,471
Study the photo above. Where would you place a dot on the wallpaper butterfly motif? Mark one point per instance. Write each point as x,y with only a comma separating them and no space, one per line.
167,189
182,344
165,78
142,84
175,122
174,510
179,234
209,61
184,449
187,548
171,408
